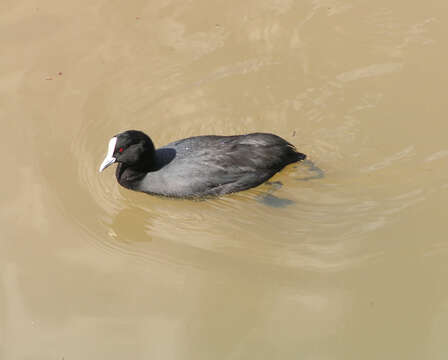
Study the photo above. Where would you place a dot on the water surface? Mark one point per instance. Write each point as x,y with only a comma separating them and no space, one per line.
355,268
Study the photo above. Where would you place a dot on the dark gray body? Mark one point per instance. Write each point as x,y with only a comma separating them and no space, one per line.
211,165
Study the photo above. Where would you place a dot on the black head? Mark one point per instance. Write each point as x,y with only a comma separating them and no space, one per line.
132,147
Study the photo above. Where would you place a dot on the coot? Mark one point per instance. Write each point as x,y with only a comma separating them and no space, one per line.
198,166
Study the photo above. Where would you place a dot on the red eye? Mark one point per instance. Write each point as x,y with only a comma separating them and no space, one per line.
120,150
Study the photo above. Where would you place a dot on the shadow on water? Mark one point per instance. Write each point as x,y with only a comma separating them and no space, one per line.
273,201
316,172
131,224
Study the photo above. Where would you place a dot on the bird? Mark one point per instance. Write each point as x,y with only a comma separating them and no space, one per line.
199,166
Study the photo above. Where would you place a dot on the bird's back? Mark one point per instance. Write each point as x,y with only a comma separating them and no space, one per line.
216,165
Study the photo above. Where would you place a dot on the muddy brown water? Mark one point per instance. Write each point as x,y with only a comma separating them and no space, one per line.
355,268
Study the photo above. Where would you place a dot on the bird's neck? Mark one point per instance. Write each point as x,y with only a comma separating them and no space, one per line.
129,177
